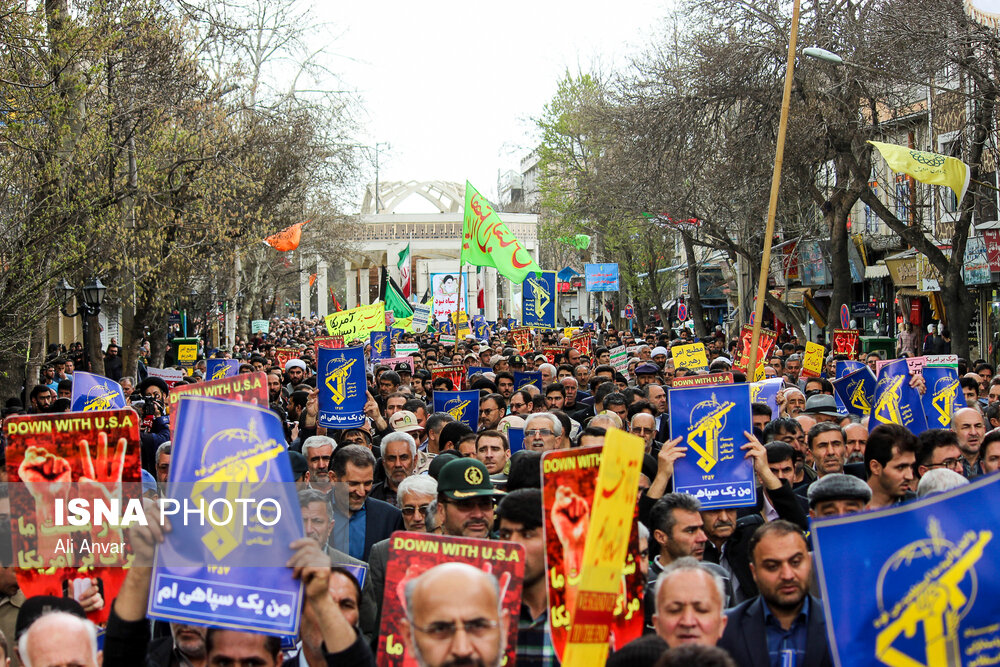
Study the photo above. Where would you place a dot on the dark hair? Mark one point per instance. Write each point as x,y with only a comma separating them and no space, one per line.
414,404
525,470
452,432
523,506
932,439
593,431
436,419
779,526
614,399
779,451
299,398
760,409
605,389
484,384
991,437
690,655
357,455
492,433
883,439
564,421
661,515
272,643
969,383
64,385
339,569
555,387
779,426
504,375
39,389
442,380
496,398
821,428
640,406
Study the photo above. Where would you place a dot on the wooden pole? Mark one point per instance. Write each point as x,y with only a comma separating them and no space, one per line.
772,208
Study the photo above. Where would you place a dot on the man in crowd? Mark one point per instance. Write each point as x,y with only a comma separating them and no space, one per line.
889,458
689,601
369,520
968,426
399,458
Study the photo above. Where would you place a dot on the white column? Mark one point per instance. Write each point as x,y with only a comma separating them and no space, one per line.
322,294
364,285
304,286
351,281
491,295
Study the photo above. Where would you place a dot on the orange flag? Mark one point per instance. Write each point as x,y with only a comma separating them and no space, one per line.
286,239
312,279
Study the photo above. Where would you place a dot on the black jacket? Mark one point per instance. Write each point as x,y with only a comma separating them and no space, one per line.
746,639
381,521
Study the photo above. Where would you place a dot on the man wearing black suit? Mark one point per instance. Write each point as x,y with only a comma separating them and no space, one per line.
369,520
784,620
657,397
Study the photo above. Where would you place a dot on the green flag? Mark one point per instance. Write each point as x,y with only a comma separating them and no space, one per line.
486,240
579,241
393,297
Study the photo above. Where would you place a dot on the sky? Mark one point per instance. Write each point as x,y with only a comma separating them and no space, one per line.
452,87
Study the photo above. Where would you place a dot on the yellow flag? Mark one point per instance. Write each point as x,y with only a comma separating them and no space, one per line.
930,168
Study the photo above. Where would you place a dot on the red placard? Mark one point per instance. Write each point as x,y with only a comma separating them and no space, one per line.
327,342
845,341
283,355
702,380
247,387
571,476
522,339
764,345
93,456
552,353
412,554
456,374
582,342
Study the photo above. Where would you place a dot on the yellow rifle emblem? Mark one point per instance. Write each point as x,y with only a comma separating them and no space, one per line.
936,603
220,372
859,399
336,381
708,427
541,295
888,402
379,343
239,478
459,410
944,403
102,402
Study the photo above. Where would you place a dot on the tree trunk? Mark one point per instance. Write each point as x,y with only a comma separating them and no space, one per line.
697,313
959,311
13,375
840,266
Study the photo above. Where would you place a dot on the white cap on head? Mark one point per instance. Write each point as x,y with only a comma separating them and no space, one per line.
659,350
295,363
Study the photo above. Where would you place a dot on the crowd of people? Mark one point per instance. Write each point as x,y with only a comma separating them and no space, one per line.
725,586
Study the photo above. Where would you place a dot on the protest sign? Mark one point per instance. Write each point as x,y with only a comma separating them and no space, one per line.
602,562
895,401
472,370
582,342
812,361
856,391
170,376
931,572
943,395
421,316
405,349
915,364
764,345
848,366
619,359
343,387
942,360
218,369
454,373
381,347
460,320
260,326
711,422
766,391
601,277
229,572
187,353
444,287
392,361
845,341
93,456
95,392
462,405
569,478
705,380
248,388
412,554
329,342
356,323
515,438
690,356
523,379
522,339
553,352
538,300
282,355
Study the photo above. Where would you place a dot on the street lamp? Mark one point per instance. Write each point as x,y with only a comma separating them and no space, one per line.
88,306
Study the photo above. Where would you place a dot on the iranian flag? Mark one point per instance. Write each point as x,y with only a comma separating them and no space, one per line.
404,271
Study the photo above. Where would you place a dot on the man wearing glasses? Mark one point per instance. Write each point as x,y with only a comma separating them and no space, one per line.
937,448
465,499
491,410
542,432
443,627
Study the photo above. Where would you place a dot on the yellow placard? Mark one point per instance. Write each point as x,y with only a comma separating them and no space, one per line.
187,352
812,362
460,319
758,373
604,552
569,331
690,356
357,322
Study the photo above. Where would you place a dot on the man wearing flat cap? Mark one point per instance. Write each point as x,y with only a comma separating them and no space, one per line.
823,408
837,494
646,374
465,499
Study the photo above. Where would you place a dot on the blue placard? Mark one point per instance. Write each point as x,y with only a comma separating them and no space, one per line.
472,370
218,369
848,366
95,392
462,405
523,379
856,391
943,396
515,437
896,402
395,332
342,387
711,422
538,300
229,573
601,277
381,345
931,573
766,391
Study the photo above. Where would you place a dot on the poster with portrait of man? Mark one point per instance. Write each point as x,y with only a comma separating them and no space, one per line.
444,291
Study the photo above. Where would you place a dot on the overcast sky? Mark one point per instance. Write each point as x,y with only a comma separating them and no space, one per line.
452,86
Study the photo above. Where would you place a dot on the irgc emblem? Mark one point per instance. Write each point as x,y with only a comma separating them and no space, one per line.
708,419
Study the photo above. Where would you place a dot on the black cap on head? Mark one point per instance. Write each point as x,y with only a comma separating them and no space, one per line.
439,462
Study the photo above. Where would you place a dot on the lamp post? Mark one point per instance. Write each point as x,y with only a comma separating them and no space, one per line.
89,305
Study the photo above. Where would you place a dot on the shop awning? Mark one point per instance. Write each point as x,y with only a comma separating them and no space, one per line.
879,270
